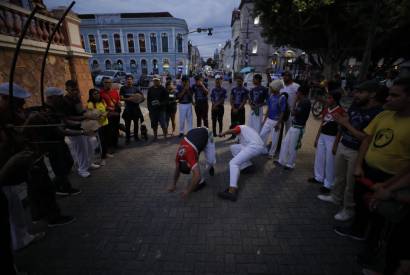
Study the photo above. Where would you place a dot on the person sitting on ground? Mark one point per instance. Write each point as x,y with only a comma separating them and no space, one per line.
187,159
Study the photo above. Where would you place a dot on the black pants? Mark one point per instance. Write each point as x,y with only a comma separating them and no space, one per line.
237,118
6,254
128,127
104,137
114,126
201,111
217,116
61,162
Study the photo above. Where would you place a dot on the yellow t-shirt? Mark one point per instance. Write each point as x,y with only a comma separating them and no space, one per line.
100,106
389,150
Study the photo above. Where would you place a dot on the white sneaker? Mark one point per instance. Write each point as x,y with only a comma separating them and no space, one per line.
327,198
84,174
344,215
94,166
102,162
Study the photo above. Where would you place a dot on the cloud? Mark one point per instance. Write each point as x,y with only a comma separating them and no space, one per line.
197,13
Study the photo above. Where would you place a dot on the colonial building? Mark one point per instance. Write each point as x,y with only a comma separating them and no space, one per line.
138,43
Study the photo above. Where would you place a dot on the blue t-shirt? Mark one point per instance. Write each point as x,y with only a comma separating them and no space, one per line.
258,95
359,119
218,94
239,94
276,106
199,93
187,98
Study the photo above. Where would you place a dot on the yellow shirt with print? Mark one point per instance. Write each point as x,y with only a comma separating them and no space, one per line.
389,150
100,106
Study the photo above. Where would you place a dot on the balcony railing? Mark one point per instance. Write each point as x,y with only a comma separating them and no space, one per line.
13,18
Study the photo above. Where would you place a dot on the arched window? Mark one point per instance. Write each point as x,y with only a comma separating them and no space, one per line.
107,64
117,43
255,47
130,40
133,66
155,66
106,44
119,65
164,42
95,66
144,67
179,42
153,39
91,42
141,40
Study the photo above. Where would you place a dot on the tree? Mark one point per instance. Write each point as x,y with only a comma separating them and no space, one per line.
334,30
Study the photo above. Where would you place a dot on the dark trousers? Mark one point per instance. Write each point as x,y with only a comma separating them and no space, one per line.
61,162
201,111
114,126
217,116
6,254
104,137
237,118
41,193
128,127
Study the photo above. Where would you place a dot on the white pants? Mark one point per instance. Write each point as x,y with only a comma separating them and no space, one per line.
269,128
242,156
81,150
288,151
324,160
255,121
210,154
185,114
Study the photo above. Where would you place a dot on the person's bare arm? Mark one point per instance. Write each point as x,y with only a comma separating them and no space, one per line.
173,186
227,132
344,121
196,177
364,146
336,142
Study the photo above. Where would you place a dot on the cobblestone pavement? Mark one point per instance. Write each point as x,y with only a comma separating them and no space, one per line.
128,224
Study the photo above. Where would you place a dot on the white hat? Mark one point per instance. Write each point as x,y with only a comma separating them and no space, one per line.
276,85
218,76
54,91
18,91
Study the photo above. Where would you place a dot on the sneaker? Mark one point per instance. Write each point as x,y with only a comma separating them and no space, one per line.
288,168
84,174
228,195
328,198
201,185
324,190
60,220
94,166
181,135
348,232
344,215
109,155
212,171
313,180
277,163
74,191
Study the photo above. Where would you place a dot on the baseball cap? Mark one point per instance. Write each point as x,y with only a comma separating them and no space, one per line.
54,91
218,76
156,77
276,85
369,85
18,91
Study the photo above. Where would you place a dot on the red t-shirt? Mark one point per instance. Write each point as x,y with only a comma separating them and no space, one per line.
111,98
329,125
186,152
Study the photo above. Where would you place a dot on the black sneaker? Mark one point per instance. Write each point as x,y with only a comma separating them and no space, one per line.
324,190
60,220
228,195
212,171
277,163
313,180
247,170
200,186
348,232
287,168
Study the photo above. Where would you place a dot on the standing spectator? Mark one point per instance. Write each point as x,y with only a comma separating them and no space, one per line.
274,116
201,101
172,105
257,98
184,96
364,108
293,139
291,89
132,111
239,96
325,139
111,99
157,101
218,96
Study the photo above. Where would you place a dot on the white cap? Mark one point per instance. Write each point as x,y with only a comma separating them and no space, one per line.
218,76
276,85
18,91
54,91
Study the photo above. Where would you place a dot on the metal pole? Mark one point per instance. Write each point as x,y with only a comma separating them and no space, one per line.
50,38
16,53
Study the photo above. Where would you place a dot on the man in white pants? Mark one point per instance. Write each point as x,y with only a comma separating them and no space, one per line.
187,159
184,96
291,89
293,139
274,116
251,145
257,98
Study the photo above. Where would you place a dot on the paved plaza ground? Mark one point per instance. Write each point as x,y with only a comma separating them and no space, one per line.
128,224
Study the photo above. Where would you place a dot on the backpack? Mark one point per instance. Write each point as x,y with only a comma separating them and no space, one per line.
286,114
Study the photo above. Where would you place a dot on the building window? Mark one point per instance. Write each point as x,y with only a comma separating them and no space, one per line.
133,66
254,47
153,38
179,43
256,21
93,45
164,42
155,66
117,43
82,41
141,40
106,44
107,64
119,65
144,67
130,39
165,65
95,66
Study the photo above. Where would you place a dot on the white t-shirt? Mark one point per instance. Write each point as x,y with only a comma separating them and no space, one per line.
291,90
248,136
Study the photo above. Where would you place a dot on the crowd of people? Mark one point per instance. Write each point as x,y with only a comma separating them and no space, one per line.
361,162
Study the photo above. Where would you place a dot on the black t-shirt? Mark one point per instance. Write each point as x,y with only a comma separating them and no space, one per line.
258,95
329,126
301,112
157,98
198,137
126,92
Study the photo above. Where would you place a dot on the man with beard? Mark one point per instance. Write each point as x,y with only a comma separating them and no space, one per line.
367,103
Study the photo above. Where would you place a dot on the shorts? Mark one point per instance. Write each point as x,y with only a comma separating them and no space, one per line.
158,117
